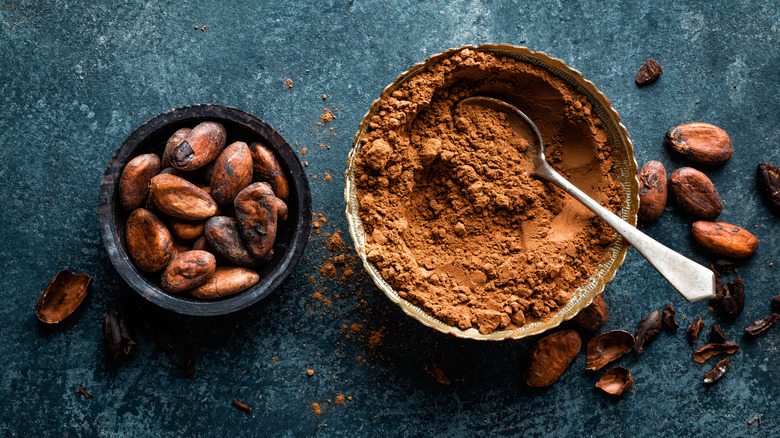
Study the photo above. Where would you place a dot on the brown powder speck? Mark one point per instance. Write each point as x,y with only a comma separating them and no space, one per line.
328,270
317,296
327,302
339,259
327,116
304,150
349,398
327,176
348,273
355,328
316,407
324,96
339,399
275,359
309,372
335,243
288,82
376,338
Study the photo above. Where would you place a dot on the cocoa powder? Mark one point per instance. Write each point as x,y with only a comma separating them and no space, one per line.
452,221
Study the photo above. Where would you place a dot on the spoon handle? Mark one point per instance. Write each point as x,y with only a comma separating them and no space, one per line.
692,280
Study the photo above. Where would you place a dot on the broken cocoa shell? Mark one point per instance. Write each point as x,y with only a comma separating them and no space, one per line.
593,317
177,197
647,330
649,72
695,194
776,304
62,296
223,236
149,243
188,270
694,328
118,336
652,191
762,324
724,267
728,305
669,318
257,220
551,357
616,381
700,142
267,168
737,291
709,350
232,172
717,335
436,373
608,347
717,372
725,239
134,182
199,147
171,144
226,281
768,181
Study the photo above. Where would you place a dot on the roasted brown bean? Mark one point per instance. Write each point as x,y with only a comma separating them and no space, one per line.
702,354
725,239
171,144
118,336
694,328
256,217
647,330
281,210
768,180
187,230
149,243
134,183
669,318
188,270
652,191
700,142
180,198
232,172
551,357
593,317
201,146
695,194
267,168
222,234
226,281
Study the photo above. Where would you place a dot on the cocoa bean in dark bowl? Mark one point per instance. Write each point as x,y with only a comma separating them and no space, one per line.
165,136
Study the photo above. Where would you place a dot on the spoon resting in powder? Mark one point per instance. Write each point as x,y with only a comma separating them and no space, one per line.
692,280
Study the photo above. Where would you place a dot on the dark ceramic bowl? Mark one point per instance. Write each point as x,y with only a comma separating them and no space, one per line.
292,234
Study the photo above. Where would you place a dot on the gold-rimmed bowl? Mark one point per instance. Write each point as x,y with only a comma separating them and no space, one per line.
624,171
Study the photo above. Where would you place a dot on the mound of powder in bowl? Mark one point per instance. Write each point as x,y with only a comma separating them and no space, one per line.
452,221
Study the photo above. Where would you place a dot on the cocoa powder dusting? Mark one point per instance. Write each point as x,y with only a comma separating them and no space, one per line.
452,221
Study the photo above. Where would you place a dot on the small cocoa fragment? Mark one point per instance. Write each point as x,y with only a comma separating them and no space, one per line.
593,317
222,234
199,147
776,304
188,270
695,194
724,267
717,372
717,335
436,373
226,281
669,318
652,191
700,142
616,381
171,144
551,357
709,350
737,292
149,243
62,296
180,198
762,324
647,330
649,72
724,302
725,239
694,328
256,217
134,182
242,406
768,181
267,168
232,172
187,368
118,336
608,347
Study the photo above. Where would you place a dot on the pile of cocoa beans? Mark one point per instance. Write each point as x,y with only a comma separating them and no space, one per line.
204,215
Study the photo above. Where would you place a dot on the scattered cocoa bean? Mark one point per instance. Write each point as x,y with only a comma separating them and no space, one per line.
725,239
256,217
694,328
226,281
647,330
171,144
222,234
437,373
762,324
608,347
134,182
717,335
199,147
695,194
180,198
593,317
232,172
652,191
551,357
149,243
700,142
768,181
709,350
669,318
649,72
118,336
616,381
717,372
188,270
267,168
62,296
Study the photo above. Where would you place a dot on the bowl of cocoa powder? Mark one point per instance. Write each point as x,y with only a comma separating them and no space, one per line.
447,223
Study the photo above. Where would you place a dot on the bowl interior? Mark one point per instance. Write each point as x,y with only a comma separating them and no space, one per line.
624,172
151,137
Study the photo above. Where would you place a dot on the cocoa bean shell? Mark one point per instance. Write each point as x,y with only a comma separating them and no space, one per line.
608,347
649,327
669,318
222,234
762,324
700,142
725,239
616,381
768,181
200,146
717,372
593,317
256,217
62,296
267,168
695,194
551,357
652,191
702,354
149,243
232,172
694,328
188,270
118,336
226,281
180,198
134,182
171,144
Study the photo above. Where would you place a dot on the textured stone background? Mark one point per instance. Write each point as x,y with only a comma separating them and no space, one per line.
77,77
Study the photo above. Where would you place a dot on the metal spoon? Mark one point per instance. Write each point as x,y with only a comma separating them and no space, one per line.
692,280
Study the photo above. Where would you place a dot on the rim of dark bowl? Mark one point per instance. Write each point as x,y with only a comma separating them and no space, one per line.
296,233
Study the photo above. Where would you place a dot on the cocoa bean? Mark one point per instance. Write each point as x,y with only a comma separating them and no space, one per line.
652,191
768,181
180,198
149,243
647,330
62,296
256,216
281,210
669,318
171,144
188,270
118,336
199,147
695,194
222,234
700,142
186,230
616,381
649,72
593,317
232,172
226,281
725,239
551,357
717,335
267,168
134,182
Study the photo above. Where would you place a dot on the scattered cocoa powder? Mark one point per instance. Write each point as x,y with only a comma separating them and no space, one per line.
328,270
327,176
451,220
327,116
316,407
339,399
288,81
336,242
317,296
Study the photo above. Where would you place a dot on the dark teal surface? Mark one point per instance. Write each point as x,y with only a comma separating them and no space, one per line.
77,77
